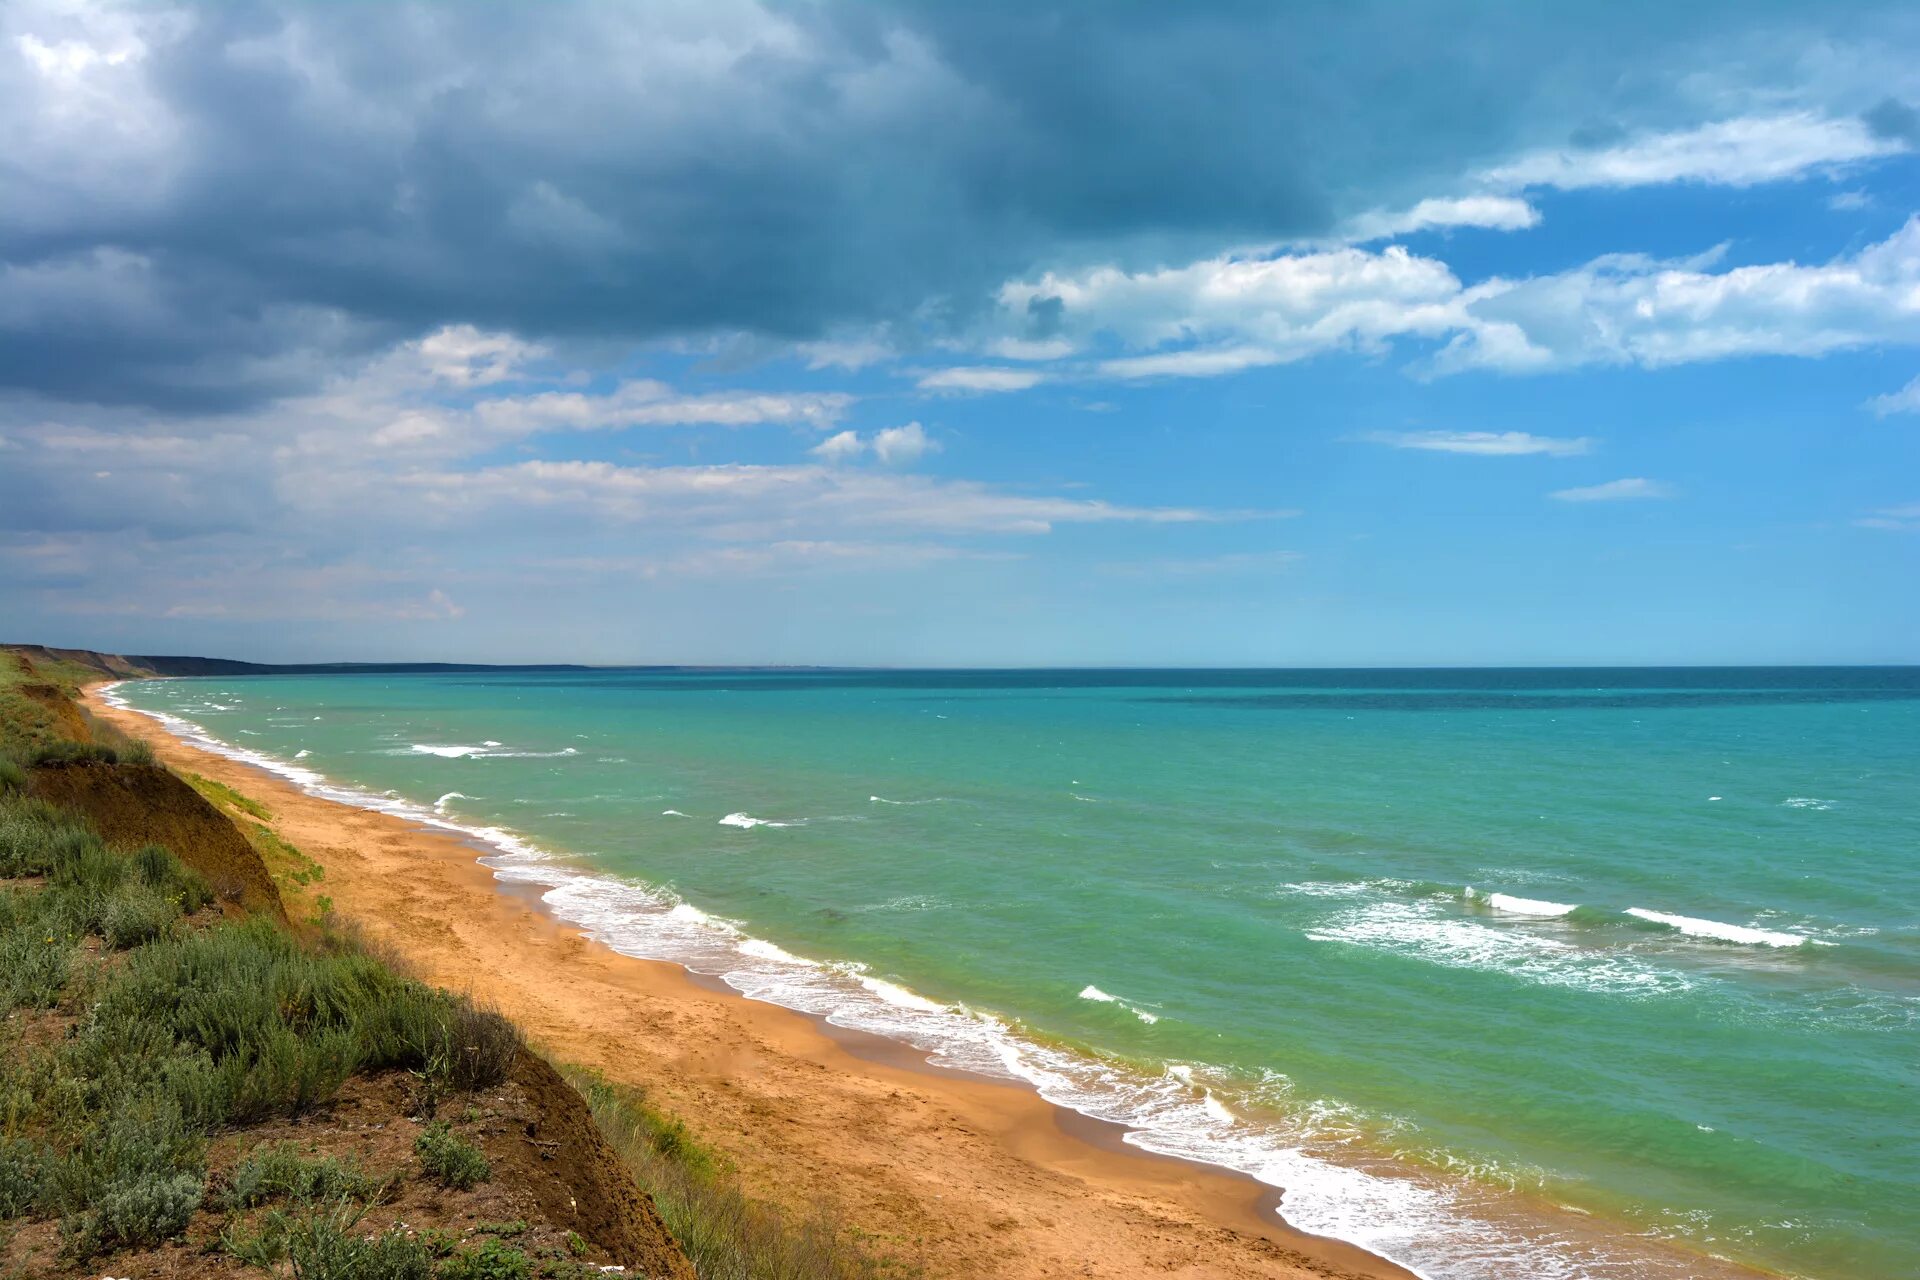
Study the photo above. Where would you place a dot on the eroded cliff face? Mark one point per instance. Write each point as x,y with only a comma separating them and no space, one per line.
130,805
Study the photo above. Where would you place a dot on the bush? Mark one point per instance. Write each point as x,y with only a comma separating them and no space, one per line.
280,1171
139,1211
23,1167
491,1261
35,960
12,776
135,916
66,751
138,751
322,1245
449,1159
35,836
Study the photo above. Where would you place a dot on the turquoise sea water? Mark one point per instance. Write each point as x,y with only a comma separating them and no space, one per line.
1233,909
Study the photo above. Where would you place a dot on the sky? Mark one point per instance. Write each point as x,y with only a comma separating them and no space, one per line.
926,334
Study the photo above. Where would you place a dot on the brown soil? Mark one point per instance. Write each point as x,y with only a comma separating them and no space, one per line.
131,805
552,1175
64,713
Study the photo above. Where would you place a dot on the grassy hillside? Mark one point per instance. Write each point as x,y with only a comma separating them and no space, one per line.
195,1080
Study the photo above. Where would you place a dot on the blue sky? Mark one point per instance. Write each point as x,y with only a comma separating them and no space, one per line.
911,334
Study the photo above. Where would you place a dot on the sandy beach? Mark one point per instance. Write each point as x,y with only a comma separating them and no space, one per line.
954,1174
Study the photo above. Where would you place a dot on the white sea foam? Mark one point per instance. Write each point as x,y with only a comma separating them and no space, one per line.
488,750
1426,931
1806,802
1507,904
1091,992
1434,1227
302,754
928,800
1721,932
747,822
440,805
672,813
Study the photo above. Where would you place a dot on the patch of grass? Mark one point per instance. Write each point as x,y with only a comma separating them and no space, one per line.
23,1171
280,1171
323,1242
222,795
67,751
491,1260
449,1159
727,1234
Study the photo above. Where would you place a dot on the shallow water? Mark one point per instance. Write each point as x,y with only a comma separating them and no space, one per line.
1233,908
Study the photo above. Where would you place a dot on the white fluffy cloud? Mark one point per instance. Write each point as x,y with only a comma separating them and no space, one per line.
1628,490
890,446
1228,314
1490,212
1485,443
1740,152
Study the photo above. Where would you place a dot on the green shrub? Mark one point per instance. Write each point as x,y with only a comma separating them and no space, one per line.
36,959
449,1159
67,751
12,776
280,1172
156,867
34,836
138,751
135,916
492,1260
323,1245
23,1168
139,1211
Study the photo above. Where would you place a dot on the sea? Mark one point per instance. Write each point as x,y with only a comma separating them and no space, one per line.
1498,973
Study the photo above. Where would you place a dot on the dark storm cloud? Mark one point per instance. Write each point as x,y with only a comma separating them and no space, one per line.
295,183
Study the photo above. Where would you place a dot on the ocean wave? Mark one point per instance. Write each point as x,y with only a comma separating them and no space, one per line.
1433,1226
1806,802
440,805
747,822
488,750
1714,929
672,813
1426,931
1507,904
302,754
929,800
1091,992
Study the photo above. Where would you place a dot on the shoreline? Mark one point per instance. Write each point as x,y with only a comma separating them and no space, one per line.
948,1170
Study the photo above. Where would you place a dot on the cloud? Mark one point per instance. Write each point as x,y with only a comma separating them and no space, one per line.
750,502
1905,400
1904,519
1229,314
217,206
1741,152
1633,310
1627,490
898,446
1485,443
1238,313
842,446
980,378
1492,212
891,447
